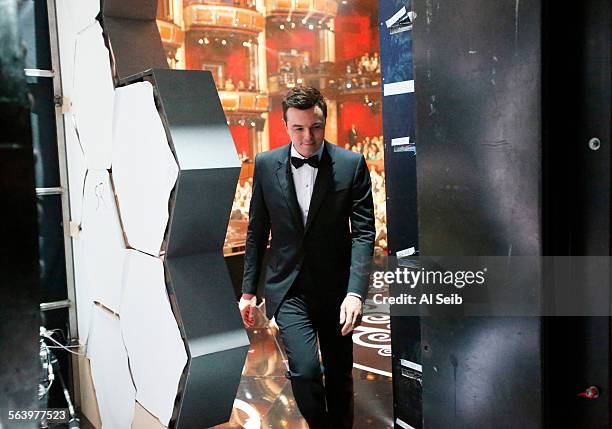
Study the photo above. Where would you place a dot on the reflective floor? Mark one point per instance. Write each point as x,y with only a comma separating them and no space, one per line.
265,400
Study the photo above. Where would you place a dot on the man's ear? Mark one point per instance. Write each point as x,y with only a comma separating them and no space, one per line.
285,124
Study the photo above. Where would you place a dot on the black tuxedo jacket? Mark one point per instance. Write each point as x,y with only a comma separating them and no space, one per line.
335,245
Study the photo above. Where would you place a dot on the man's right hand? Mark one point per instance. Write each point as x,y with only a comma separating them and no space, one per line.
247,309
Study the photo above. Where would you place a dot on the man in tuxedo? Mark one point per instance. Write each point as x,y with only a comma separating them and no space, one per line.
316,199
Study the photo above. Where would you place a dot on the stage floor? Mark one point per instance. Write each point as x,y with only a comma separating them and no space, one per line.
265,400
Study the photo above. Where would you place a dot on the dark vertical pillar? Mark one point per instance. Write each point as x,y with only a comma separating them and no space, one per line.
19,287
576,206
478,85
398,104
513,138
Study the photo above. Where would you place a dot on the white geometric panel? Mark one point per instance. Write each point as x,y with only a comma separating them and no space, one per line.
72,17
93,97
82,12
110,371
102,239
144,169
153,341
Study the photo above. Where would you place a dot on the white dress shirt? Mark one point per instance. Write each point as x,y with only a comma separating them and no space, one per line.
304,180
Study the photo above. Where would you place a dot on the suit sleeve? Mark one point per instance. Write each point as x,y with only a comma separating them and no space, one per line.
258,233
363,231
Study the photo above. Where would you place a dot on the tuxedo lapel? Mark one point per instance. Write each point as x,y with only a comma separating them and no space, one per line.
285,181
322,182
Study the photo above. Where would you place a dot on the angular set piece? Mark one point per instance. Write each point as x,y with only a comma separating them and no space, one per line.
153,170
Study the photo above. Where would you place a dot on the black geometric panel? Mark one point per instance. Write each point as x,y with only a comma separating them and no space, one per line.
210,403
189,233
197,277
141,9
205,306
132,36
208,164
201,293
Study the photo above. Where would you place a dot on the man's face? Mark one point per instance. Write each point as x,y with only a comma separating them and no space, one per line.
306,129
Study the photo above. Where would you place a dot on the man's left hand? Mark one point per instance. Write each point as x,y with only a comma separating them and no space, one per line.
350,314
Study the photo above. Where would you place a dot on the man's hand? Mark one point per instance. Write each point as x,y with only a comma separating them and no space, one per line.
350,314
247,309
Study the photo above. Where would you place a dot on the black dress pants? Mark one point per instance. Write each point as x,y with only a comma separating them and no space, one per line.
301,318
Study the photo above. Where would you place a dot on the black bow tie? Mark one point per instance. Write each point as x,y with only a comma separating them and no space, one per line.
313,161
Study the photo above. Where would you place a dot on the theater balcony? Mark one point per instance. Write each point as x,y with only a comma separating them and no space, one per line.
243,101
172,35
237,16
318,76
316,9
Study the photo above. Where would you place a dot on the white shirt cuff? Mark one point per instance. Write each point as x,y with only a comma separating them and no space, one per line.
354,294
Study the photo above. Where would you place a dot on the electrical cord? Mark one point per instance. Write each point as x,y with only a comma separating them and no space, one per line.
51,367
45,355
49,335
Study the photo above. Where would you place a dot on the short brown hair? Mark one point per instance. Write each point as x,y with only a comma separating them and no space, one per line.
304,97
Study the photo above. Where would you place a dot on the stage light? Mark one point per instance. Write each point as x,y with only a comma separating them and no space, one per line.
201,41
206,41
299,80
252,124
304,21
282,26
348,85
288,19
293,25
310,27
224,42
